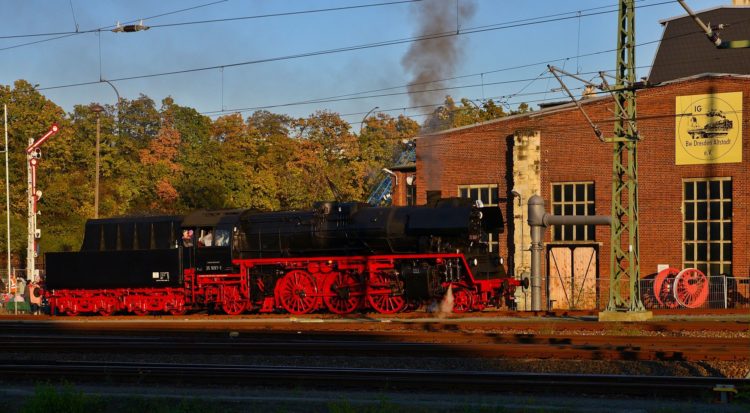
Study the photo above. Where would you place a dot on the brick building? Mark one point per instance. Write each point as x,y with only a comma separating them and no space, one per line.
693,210
693,171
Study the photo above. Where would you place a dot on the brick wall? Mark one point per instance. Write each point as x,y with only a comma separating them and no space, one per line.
482,154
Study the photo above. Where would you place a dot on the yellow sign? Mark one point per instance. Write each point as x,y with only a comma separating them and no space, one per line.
708,129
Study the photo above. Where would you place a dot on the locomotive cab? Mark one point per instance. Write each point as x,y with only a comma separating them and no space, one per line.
210,239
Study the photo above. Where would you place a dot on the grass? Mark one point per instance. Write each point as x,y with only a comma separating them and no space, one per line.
48,399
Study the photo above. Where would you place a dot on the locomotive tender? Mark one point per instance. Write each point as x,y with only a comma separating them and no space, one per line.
343,257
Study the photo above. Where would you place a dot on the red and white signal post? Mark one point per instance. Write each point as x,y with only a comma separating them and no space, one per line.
33,155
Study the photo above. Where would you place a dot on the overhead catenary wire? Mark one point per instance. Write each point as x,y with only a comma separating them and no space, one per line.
326,100
299,12
222,20
62,35
391,42
360,95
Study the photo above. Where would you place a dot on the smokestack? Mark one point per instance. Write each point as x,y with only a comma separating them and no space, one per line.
436,58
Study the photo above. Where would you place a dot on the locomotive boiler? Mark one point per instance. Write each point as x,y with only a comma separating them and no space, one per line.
339,257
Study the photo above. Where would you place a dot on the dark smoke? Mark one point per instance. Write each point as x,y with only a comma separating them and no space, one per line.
437,58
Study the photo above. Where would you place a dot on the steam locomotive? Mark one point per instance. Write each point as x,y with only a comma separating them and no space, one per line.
340,257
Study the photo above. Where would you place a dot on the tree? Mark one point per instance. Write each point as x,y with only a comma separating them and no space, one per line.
160,169
449,115
381,143
327,162
30,115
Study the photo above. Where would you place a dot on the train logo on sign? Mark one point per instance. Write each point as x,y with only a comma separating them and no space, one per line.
708,129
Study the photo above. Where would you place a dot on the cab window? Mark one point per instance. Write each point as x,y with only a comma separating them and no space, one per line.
188,238
221,238
205,237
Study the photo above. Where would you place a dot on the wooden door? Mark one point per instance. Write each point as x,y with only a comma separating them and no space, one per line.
572,277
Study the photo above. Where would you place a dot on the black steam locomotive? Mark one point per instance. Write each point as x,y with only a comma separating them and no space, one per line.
343,257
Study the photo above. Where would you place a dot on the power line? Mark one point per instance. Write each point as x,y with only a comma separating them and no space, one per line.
311,11
62,35
222,20
346,49
361,95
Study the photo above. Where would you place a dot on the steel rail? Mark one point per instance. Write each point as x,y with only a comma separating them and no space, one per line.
590,348
202,323
392,379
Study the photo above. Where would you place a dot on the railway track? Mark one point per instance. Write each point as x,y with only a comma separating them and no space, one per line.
398,345
202,323
454,381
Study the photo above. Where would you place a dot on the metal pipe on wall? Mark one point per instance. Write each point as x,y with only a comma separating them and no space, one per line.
539,220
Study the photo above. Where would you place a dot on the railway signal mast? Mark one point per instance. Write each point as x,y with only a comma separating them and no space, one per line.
33,155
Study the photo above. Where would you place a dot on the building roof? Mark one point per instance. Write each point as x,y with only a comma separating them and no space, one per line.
685,50
570,106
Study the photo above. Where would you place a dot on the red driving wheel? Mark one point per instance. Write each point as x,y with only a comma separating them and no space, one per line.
343,292
383,294
297,292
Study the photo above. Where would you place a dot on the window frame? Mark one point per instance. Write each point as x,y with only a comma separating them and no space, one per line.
580,233
717,214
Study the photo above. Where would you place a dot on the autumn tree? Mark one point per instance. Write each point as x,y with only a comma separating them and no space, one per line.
381,142
450,115
327,163
160,169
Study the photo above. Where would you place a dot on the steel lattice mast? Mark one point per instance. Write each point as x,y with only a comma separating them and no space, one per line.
624,242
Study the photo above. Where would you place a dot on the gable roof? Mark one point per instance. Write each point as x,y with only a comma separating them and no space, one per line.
685,50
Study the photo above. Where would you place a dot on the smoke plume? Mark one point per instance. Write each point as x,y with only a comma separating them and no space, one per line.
436,58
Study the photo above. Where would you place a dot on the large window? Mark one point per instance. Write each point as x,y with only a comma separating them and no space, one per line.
573,198
488,195
707,225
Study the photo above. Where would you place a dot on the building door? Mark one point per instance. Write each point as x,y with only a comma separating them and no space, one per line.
572,273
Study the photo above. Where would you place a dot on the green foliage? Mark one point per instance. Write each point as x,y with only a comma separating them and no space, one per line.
171,159
381,142
449,115
66,400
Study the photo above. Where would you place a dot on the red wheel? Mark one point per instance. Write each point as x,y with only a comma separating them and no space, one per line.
691,288
343,292
107,305
463,300
385,294
297,292
663,287
140,311
233,307
106,311
177,306
232,302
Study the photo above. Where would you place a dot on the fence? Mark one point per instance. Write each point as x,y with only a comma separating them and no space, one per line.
720,292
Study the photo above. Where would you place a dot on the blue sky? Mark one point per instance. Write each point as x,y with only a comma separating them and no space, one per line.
481,62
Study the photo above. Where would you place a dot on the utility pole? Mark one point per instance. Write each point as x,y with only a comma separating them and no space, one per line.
7,197
98,110
624,239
